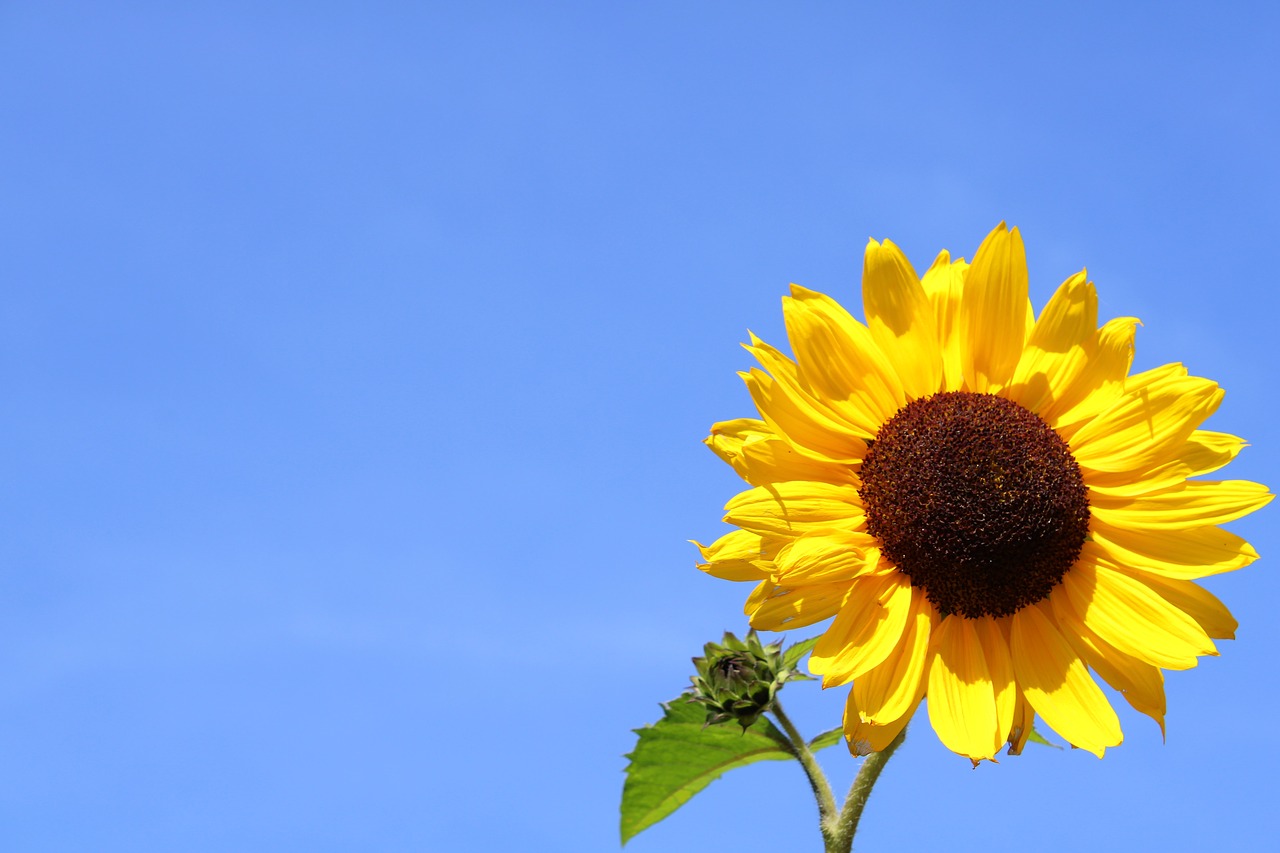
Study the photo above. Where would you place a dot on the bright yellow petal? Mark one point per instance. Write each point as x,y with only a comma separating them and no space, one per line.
1202,453
737,556
944,285
809,426
1056,683
894,687
994,636
865,631
781,608
864,737
727,437
1024,720
774,460
839,359
836,413
826,556
1196,503
993,311
788,509
763,591
1195,601
1147,426
1152,377
1056,351
901,319
1132,617
799,423
1141,684
962,701
1182,553
1107,359
761,457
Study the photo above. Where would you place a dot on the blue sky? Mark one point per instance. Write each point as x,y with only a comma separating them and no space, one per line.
356,359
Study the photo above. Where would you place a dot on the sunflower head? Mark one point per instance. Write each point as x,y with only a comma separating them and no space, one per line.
994,512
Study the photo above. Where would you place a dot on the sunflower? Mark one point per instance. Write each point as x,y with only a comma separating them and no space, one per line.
992,508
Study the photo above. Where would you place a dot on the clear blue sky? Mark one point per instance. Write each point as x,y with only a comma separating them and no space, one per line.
356,357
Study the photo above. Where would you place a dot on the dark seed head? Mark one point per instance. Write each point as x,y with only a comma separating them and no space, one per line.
976,500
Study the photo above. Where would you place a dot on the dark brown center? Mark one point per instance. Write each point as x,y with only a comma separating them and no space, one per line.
976,500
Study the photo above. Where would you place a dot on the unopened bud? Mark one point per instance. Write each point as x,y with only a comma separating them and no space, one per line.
738,679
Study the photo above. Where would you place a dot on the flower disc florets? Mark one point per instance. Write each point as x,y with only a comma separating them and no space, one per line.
976,500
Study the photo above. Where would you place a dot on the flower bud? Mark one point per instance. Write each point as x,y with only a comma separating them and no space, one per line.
737,679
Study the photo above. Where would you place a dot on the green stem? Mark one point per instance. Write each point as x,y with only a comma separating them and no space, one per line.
841,837
827,815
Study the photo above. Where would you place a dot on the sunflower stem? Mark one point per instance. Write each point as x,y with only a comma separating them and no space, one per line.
827,814
841,838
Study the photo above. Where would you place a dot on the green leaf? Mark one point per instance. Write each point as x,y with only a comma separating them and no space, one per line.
792,656
677,757
826,739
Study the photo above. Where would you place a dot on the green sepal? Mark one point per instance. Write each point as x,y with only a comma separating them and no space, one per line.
791,657
1035,737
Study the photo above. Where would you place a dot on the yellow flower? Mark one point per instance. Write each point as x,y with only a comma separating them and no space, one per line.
987,502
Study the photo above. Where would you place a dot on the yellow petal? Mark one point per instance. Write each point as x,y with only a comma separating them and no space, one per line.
894,687
944,285
1024,720
1195,601
774,460
826,556
1056,683
788,509
727,437
1202,453
762,592
761,457
864,737
993,311
839,359
812,427
1152,377
1195,503
1055,352
865,631
781,608
901,319
1182,553
962,702
994,635
1141,684
737,556
1146,426
1132,617
1099,384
